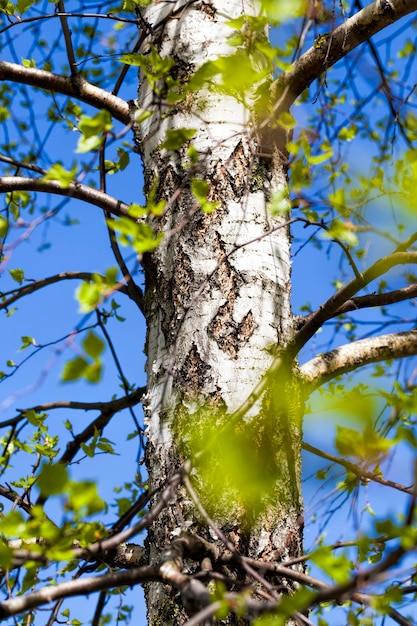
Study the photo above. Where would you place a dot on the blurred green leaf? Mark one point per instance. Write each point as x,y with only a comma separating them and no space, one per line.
93,345
58,173
174,139
52,479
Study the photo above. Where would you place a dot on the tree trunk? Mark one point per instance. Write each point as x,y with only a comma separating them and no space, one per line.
213,308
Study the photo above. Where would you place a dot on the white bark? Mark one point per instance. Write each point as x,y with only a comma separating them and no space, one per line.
253,283
212,308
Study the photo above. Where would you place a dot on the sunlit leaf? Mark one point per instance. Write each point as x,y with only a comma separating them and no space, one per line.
93,129
18,275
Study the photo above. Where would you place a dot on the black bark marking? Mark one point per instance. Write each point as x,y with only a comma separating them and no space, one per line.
193,375
229,334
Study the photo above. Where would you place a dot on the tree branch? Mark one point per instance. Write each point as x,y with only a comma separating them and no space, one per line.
351,356
100,423
74,190
67,38
361,473
371,300
113,405
79,89
21,292
83,586
335,45
329,308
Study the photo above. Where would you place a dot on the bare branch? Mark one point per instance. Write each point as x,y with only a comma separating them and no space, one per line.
99,423
75,190
111,543
21,164
346,293
113,405
335,45
79,89
372,300
67,38
82,586
351,356
58,14
39,284
358,471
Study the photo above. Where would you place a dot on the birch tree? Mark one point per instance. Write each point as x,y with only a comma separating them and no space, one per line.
243,114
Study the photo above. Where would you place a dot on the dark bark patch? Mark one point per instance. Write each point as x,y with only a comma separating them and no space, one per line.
209,10
231,178
229,334
238,170
193,375
184,277
246,327
223,330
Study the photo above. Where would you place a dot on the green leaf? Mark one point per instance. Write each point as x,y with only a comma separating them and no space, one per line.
28,63
155,67
320,158
93,345
13,525
280,202
34,418
287,121
6,556
30,578
4,226
26,342
4,114
111,276
338,567
347,134
200,189
124,158
367,445
93,129
177,138
341,231
23,5
132,58
284,9
138,235
409,49
74,370
146,240
203,76
338,200
89,296
61,175
18,275
52,479
7,7
93,372
83,498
